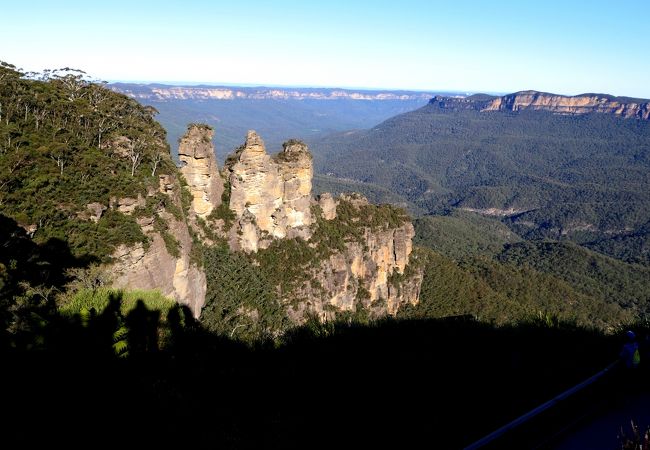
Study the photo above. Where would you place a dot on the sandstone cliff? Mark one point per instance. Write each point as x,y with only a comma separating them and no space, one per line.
358,261
371,271
269,196
165,263
167,93
164,260
558,104
199,167
324,256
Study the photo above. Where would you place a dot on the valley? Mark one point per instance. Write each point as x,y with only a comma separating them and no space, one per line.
276,113
278,270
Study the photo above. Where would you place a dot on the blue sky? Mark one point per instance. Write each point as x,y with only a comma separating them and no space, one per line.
567,47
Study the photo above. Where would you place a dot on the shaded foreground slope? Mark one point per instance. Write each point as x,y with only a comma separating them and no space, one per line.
436,382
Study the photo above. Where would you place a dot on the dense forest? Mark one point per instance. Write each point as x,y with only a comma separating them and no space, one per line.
579,178
546,278
67,143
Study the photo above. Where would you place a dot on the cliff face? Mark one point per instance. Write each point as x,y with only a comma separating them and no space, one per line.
155,266
199,167
558,104
370,273
164,262
269,194
164,93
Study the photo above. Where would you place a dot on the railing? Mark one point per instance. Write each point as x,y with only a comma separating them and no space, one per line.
541,408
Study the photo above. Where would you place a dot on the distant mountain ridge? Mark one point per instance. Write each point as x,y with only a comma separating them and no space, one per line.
542,101
162,92
275,112
549,172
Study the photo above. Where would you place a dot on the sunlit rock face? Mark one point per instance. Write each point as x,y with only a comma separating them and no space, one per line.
275,191
271,199
370,273
296,169
579,104
199,167
557,104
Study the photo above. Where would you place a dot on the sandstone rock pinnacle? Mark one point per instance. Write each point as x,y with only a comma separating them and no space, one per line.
196,153
276,191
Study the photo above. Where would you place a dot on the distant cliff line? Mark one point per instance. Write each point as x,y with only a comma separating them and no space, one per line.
162,92
541,101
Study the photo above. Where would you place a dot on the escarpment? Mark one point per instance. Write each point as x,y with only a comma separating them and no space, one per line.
557,104
164,260
367,268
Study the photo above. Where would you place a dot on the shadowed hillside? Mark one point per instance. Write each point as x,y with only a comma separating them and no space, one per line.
435,382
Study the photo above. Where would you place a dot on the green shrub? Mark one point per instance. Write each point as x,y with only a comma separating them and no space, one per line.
87,299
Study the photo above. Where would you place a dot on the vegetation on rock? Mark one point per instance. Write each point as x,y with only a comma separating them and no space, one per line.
67,143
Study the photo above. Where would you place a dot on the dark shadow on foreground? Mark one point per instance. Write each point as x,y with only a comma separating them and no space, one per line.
440,383
101,379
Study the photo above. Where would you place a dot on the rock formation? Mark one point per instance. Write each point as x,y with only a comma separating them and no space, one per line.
558,104
199,167
297,171
268,198
273,192
155,267
369,273
146,93
327,205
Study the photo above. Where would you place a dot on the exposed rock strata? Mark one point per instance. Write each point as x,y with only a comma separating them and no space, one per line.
558,104
273,192
371,274
221,93
156,268
269,198
199,167
327,205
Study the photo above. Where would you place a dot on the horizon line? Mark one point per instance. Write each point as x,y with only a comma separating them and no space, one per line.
294,86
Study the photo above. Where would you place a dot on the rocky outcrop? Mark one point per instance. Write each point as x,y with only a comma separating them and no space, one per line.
127,205
371,272
296,169
155,269
199,167
327,205
557,104
93,212
155,266
273,192
269,199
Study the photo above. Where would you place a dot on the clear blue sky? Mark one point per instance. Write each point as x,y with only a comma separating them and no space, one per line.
567,47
